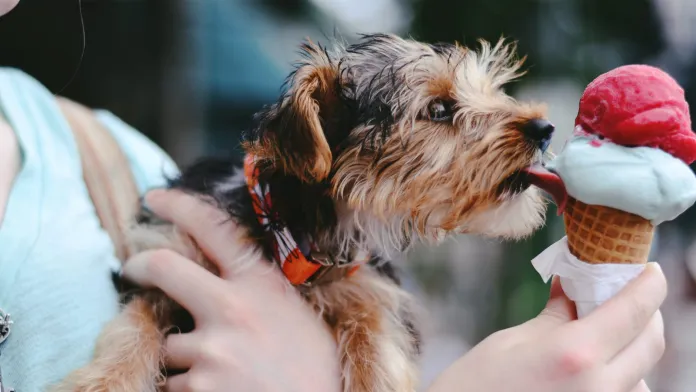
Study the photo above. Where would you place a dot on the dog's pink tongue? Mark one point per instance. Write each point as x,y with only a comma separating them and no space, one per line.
550,182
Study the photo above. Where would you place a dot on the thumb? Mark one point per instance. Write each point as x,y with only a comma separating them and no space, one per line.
559,309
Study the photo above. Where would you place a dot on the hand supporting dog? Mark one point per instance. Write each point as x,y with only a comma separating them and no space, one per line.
238,340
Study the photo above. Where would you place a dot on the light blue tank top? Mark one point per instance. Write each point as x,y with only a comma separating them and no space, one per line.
56,262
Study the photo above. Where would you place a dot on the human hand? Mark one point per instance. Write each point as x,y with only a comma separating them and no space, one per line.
610,350
253,331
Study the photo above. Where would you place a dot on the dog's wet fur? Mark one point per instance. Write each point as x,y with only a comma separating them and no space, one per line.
374,146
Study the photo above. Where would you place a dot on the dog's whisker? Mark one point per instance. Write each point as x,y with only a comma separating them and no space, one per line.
549,155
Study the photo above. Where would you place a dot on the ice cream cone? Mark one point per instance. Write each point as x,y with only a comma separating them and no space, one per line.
603,235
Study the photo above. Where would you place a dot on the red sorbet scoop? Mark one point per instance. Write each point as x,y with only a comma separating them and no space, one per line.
639,105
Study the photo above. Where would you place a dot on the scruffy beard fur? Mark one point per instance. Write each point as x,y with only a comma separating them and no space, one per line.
375,146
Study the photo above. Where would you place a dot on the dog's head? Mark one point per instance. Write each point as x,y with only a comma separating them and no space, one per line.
422,135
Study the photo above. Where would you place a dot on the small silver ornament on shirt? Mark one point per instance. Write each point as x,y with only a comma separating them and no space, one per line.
5,323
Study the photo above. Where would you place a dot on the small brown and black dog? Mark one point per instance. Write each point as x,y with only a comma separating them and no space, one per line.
375,146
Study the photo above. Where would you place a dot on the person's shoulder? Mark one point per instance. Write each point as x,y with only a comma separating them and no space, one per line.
151,165
16,73
16,79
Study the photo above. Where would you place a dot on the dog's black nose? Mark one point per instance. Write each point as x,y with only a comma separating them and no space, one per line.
539,131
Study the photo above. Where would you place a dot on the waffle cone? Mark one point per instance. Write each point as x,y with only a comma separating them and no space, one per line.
603,235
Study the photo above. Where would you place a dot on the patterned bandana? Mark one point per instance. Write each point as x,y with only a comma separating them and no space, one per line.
300,268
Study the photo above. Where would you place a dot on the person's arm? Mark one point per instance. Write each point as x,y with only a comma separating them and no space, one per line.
245,345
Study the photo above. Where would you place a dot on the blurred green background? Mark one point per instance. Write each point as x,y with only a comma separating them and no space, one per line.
190,74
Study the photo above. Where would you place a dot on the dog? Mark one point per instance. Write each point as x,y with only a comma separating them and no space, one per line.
373,147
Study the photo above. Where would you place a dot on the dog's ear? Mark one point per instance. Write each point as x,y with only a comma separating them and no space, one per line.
292,134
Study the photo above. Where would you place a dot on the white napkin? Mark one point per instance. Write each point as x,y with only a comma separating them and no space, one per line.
588,285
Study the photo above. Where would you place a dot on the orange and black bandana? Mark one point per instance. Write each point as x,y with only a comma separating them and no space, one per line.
298,267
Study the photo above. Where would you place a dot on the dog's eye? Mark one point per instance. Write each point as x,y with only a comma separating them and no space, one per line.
439,110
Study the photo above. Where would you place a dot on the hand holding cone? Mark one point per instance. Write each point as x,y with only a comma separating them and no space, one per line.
622,173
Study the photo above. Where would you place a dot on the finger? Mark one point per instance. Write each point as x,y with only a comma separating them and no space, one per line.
190,382
634,362
181,351
184,281
559,309
617,322
178,383
641,387
212,229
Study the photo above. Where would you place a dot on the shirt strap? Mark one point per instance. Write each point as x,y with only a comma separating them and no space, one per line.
106,172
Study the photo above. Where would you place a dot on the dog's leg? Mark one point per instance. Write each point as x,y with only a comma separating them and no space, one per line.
127,356
370,317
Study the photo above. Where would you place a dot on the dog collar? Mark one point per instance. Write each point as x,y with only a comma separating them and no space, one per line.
304,265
